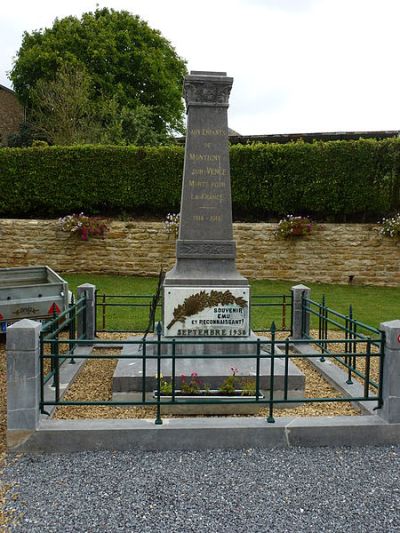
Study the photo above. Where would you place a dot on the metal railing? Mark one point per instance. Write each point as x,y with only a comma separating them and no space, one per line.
65,323
141,312
278,307
159,357
356,335
137,310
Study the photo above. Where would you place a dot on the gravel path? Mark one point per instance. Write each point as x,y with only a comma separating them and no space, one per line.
300,489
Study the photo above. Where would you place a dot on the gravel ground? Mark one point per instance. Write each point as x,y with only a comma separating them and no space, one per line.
300,489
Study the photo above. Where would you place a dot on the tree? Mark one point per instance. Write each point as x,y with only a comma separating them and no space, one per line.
134,74
61,108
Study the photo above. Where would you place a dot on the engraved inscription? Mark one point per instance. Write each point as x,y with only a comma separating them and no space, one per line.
198,183
208,312
204,157
216,132
206,248
207,196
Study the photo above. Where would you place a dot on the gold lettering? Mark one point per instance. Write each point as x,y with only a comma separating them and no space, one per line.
216,171
215,218
211,131
198,172
217,185
198,218
204,157
198,183
208,131
207,196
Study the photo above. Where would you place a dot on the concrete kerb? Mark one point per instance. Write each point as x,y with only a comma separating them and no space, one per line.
64,436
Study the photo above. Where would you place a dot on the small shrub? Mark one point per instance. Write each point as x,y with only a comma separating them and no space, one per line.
171,224
292,226
391,227
84,225
229,384
192,386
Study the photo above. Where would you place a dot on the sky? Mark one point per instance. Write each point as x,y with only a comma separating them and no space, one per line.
298,65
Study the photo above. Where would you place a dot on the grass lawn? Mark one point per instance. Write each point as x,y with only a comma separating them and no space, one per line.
371,305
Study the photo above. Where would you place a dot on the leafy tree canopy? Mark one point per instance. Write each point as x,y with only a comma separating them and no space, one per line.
131,72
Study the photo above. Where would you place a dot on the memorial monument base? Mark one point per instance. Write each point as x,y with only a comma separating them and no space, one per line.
211,372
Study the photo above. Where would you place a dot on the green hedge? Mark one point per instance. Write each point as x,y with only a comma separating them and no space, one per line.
337,180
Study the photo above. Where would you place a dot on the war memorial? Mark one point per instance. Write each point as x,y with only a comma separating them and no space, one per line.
205,334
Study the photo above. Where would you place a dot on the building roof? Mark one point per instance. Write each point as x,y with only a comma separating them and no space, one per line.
4,88
283,138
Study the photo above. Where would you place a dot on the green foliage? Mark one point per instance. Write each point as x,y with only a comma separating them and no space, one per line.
391,227
129,65
165,387
330,181
83,225
292,226
25,137
248,387
55,181
192,386
230,383
61,108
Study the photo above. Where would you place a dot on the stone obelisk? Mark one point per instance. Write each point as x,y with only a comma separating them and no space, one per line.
204,294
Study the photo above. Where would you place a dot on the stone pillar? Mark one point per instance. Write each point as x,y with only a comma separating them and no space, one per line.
23,379
297,312
205,276
87,319
391,372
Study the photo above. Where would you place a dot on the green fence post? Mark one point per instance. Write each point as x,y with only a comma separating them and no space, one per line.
271,418
158,331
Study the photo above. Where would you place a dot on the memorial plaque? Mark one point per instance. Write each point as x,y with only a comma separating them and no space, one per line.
207,312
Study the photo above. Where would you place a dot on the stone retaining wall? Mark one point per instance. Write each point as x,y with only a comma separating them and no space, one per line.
333,253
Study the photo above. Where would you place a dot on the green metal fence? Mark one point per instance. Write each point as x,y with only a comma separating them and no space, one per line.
168,352
359,340
56,334
117,313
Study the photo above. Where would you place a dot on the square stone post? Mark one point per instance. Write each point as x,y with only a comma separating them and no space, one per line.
23,379
300,320
391,372
87,319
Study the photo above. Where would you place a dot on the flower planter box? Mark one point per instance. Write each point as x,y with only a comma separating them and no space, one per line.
222,407
210,394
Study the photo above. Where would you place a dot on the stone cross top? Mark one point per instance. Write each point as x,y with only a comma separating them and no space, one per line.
205,250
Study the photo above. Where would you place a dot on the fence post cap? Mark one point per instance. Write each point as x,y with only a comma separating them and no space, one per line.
300,287
25,323
392,331
87,286
23,335
390,324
